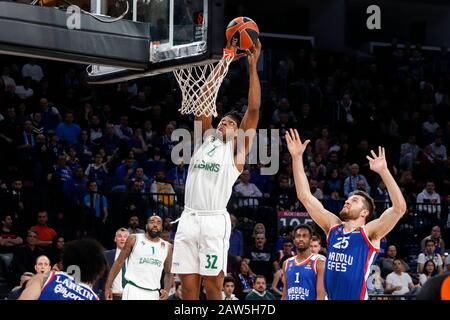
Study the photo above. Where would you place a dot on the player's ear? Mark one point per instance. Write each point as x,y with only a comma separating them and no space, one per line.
364,213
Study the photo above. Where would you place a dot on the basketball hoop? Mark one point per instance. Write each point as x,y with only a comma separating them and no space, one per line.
200,84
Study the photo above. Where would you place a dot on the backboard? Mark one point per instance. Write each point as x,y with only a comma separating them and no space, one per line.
182,32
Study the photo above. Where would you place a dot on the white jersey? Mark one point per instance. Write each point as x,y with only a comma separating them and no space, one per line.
146,263
211,176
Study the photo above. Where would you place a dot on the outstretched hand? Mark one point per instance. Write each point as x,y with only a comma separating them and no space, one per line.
294,143
252,54
234,48
377,162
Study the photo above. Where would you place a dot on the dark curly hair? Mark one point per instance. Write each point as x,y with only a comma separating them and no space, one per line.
304,226
236,116
88,255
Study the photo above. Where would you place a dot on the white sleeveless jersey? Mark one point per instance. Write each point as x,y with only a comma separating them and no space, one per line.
211,176
146,263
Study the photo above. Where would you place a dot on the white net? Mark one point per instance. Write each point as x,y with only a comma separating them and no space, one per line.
200,84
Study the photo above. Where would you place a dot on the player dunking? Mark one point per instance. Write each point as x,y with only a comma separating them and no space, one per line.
352,244
303,273
202,239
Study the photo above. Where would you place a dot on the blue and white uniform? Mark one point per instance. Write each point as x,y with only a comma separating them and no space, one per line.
61,286
349,260
301,278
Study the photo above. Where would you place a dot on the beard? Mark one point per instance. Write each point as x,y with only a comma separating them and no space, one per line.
344,215
154,234
302,249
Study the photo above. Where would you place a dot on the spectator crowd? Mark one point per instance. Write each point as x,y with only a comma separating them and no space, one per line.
83,160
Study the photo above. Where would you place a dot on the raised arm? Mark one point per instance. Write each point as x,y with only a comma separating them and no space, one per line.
168,275
251,116
216,74
123,256
379,228
324,218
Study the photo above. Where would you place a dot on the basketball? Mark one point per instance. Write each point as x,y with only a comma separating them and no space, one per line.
242,32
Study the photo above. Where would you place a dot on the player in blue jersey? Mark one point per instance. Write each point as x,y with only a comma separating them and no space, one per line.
86,259
303,273
353,242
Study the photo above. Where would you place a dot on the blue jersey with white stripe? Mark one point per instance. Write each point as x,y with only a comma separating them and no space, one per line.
301,278
61,286
350,256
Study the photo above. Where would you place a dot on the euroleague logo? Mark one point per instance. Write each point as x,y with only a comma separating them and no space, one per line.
235,40
199,18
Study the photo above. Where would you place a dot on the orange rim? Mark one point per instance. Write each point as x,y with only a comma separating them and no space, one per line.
229,52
